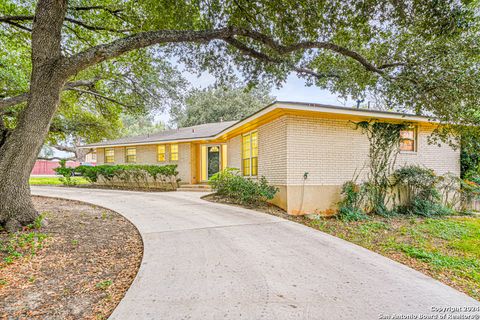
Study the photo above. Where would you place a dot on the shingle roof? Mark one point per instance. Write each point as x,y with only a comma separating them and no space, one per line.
195,132
211,130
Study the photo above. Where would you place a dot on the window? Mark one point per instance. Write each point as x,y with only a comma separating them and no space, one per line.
174,152
109,155
161,153
408,139
250,154
131,155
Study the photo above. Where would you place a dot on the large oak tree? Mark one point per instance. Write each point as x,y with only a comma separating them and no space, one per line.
219,103
421,55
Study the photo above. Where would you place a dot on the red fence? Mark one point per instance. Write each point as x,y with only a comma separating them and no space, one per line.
45,167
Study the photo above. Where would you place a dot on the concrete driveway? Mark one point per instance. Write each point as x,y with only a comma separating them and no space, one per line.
213,261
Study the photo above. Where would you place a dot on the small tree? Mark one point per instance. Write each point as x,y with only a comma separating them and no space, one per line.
66,173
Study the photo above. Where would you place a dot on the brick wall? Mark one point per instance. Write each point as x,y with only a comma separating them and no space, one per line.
442,159
147,154
332,151
119,155
234,152
272,145
272,155
100,156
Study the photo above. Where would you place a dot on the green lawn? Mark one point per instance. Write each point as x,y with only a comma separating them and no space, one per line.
447,249
54,180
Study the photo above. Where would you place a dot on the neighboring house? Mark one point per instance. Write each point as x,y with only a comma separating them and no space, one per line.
307,150
45,167
91,157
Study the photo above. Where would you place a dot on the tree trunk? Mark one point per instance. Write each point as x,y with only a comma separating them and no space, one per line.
21,146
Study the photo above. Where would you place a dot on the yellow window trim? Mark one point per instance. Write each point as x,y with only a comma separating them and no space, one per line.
131,154
250,154
414,140
109,156
161,153
174,152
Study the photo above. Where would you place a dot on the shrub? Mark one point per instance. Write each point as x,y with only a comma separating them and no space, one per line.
417,192
351,205
231,185
20,244
66,172
142,176
470,189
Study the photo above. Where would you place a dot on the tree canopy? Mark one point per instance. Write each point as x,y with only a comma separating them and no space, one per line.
214,104
417,55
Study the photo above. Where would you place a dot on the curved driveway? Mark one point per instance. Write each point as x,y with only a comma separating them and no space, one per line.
211,261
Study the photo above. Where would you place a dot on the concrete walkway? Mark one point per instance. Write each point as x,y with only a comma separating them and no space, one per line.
213,261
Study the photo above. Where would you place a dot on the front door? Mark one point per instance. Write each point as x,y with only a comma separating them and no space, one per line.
213,160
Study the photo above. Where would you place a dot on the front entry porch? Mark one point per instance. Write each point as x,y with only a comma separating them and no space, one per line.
207,159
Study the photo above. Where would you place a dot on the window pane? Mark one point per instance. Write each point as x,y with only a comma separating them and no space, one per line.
407,145
254,166
246,146
407,134
408,139
161,153
109,155
246,167
254,144
131,154
174,152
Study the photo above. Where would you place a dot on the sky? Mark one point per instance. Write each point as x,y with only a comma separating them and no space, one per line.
294,89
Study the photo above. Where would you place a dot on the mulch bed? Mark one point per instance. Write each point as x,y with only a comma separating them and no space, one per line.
265,207
84,267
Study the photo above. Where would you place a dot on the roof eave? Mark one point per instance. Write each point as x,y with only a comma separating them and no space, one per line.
106,145
316,108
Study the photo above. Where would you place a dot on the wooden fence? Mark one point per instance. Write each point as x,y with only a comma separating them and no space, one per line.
45,167
475,205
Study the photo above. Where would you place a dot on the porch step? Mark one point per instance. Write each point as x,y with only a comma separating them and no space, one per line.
195,187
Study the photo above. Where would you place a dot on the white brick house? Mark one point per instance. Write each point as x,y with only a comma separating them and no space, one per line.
282,142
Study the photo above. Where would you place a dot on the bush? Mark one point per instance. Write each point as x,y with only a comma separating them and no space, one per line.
351,206
417,192
142,176
469,192
231,185
66,172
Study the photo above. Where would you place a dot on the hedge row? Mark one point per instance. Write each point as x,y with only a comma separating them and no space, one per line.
141,176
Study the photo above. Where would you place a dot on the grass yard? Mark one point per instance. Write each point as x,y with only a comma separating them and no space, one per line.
447,249
54,180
